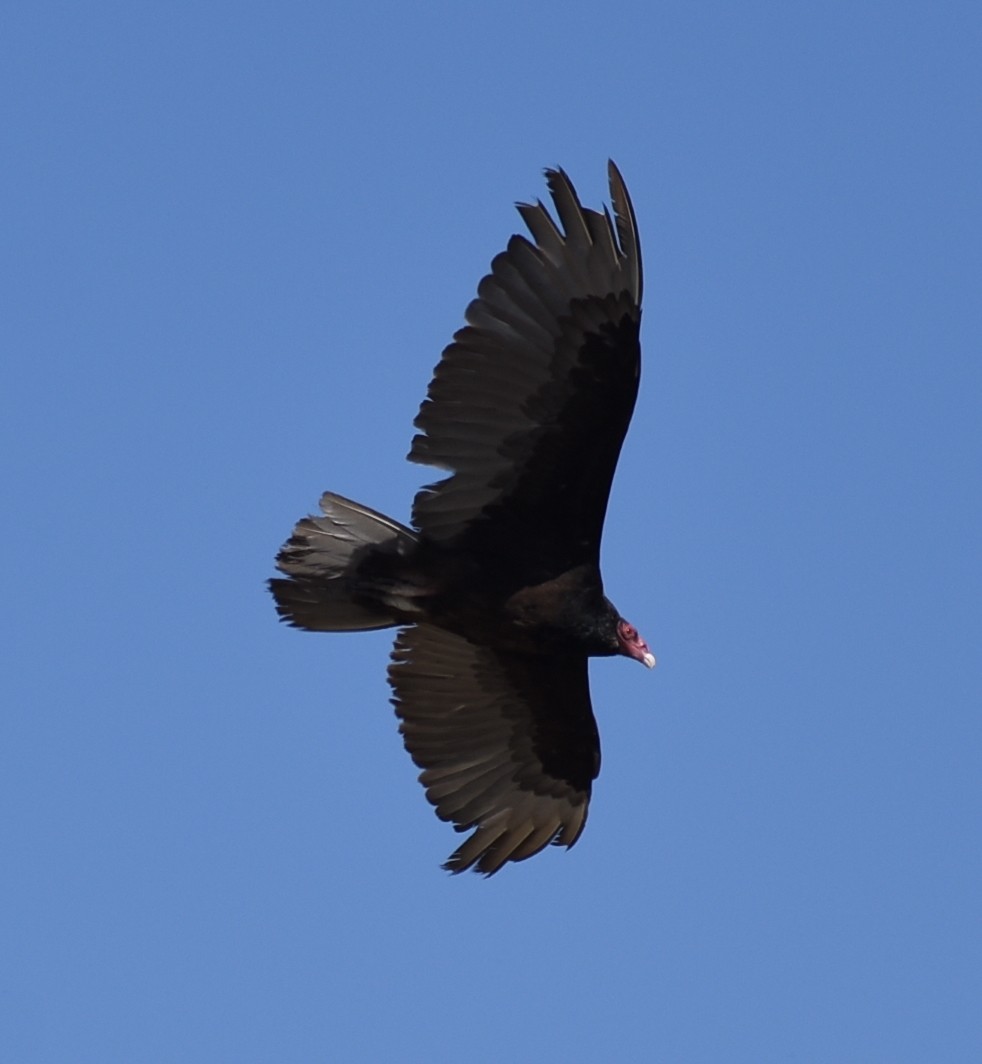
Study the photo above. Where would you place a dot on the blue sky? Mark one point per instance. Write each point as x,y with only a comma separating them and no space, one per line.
236,238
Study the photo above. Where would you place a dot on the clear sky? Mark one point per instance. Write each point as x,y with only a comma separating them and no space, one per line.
236,237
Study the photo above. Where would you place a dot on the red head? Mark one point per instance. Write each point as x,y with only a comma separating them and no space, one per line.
632,645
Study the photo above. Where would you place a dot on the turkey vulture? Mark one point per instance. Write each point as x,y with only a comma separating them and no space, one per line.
496,586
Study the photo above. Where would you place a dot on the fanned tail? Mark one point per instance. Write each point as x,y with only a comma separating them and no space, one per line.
320,591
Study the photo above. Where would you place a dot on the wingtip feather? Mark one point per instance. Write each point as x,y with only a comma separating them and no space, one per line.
627,225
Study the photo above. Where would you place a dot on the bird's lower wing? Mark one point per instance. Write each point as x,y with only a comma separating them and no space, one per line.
508,744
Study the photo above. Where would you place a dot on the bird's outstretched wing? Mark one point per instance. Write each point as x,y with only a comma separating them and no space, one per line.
529,405
508,744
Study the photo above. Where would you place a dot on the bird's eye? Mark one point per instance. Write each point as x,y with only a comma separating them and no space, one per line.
629,632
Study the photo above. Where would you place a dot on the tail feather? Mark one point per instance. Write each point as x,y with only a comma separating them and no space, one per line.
318,560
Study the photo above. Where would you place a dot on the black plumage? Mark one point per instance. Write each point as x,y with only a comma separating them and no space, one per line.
497,584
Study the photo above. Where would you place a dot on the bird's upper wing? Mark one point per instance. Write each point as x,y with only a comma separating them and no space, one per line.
529,405
508,745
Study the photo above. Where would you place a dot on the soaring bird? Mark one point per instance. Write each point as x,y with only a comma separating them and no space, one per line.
496,585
